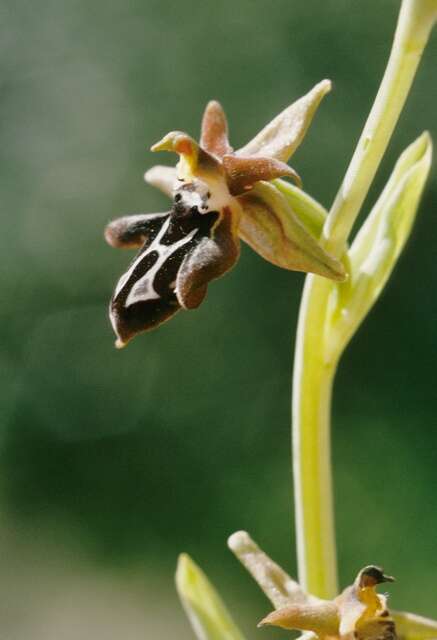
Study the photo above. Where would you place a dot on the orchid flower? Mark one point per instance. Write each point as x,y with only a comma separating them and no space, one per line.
219,196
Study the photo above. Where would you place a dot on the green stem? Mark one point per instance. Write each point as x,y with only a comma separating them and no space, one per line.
313,372
315,531
415,22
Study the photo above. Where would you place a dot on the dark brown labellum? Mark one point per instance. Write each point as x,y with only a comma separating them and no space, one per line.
145,295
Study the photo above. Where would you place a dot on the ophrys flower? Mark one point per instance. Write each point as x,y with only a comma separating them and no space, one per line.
219,196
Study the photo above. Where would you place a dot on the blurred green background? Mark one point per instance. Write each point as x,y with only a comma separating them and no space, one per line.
111,463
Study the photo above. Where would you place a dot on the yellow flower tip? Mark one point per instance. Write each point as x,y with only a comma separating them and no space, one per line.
178,142
186,147
166,143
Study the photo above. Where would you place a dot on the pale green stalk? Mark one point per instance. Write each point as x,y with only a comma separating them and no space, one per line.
416,20
315,360
312,383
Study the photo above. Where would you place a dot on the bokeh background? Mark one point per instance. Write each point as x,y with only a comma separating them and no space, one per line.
111,463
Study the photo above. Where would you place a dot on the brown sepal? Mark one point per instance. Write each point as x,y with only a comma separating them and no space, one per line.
243,172
214,132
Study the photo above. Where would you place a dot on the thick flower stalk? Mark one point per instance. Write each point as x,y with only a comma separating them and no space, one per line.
330,315
219,197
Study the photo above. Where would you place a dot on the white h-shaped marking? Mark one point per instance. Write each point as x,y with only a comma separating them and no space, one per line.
143,289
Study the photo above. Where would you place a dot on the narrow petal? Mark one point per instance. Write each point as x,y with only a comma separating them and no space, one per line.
133,232
321,618
277,585
214,132
210,259
282,136
271,227
204,607
243,172
163,178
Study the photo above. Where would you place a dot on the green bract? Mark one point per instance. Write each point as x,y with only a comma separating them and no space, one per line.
378,244
310,212
207,613
272,227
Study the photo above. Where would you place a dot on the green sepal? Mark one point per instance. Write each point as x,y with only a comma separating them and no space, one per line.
205,609
272,228
310,212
